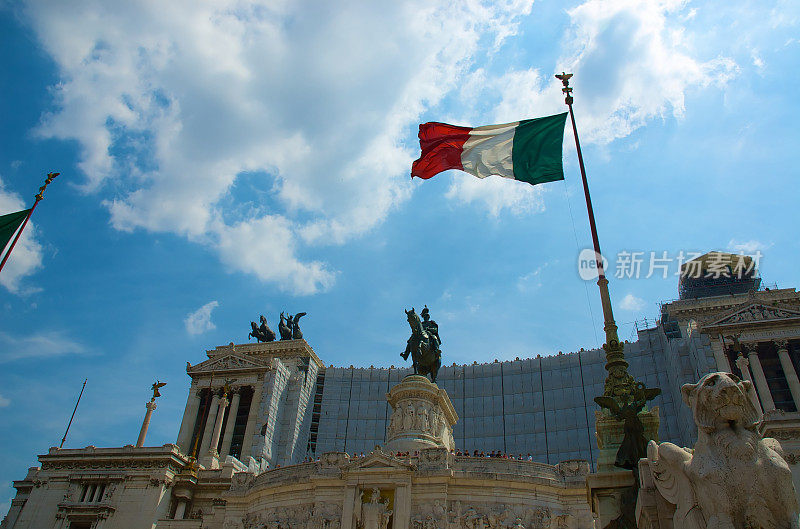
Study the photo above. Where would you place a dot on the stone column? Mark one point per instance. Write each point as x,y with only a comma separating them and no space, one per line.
249,431
212,415
228,437
350,498
719,355
758,376
743,364
146,423
180,509
402,507
212,449
98,493
189,419
789,371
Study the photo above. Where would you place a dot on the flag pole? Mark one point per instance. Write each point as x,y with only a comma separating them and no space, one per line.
73,413
40,196
619,380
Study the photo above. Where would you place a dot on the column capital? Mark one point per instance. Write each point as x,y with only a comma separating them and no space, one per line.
742,362
781,344
150,405
750,348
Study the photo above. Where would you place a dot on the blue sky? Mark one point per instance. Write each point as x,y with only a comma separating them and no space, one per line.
220,162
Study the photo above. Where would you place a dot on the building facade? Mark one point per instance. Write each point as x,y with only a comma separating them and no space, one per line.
271,437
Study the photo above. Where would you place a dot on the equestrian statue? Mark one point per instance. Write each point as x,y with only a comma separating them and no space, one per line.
262,333
289,326
423,346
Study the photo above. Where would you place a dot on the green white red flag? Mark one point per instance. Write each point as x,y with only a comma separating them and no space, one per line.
528,150
9,224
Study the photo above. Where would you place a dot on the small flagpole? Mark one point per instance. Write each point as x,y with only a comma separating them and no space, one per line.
40,196
73,414
615,353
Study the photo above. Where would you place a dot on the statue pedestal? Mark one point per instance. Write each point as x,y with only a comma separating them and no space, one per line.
210,462
422,416
605,487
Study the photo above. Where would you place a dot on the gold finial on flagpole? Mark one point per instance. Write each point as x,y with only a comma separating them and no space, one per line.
50,178
565,77
39,196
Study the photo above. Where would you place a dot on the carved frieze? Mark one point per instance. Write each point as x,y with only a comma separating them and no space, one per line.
228,362
285,517
785,434
755,314
438,514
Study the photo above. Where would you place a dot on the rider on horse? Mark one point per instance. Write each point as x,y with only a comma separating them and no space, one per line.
423,346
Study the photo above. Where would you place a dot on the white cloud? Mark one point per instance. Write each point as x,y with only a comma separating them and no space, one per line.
199,321
46,344
531,280
758,60
4,402
747,247
496,194
171,102
631,302
632,64
27,255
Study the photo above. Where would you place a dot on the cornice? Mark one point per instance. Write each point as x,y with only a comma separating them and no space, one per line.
276,349
167,458
684,308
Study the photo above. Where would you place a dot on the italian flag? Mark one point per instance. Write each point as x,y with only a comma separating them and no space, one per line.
528,150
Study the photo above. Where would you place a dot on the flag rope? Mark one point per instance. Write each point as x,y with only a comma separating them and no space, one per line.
578,248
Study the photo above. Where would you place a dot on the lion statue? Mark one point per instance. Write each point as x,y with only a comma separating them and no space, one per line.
734,478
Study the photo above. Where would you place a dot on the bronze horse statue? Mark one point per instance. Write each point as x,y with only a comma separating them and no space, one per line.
423,347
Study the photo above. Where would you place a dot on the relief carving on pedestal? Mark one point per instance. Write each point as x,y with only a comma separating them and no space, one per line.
721,483
418,417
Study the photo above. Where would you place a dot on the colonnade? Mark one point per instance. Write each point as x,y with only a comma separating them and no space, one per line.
749,364
211,431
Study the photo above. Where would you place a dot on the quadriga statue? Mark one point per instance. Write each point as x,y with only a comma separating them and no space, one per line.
734,478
